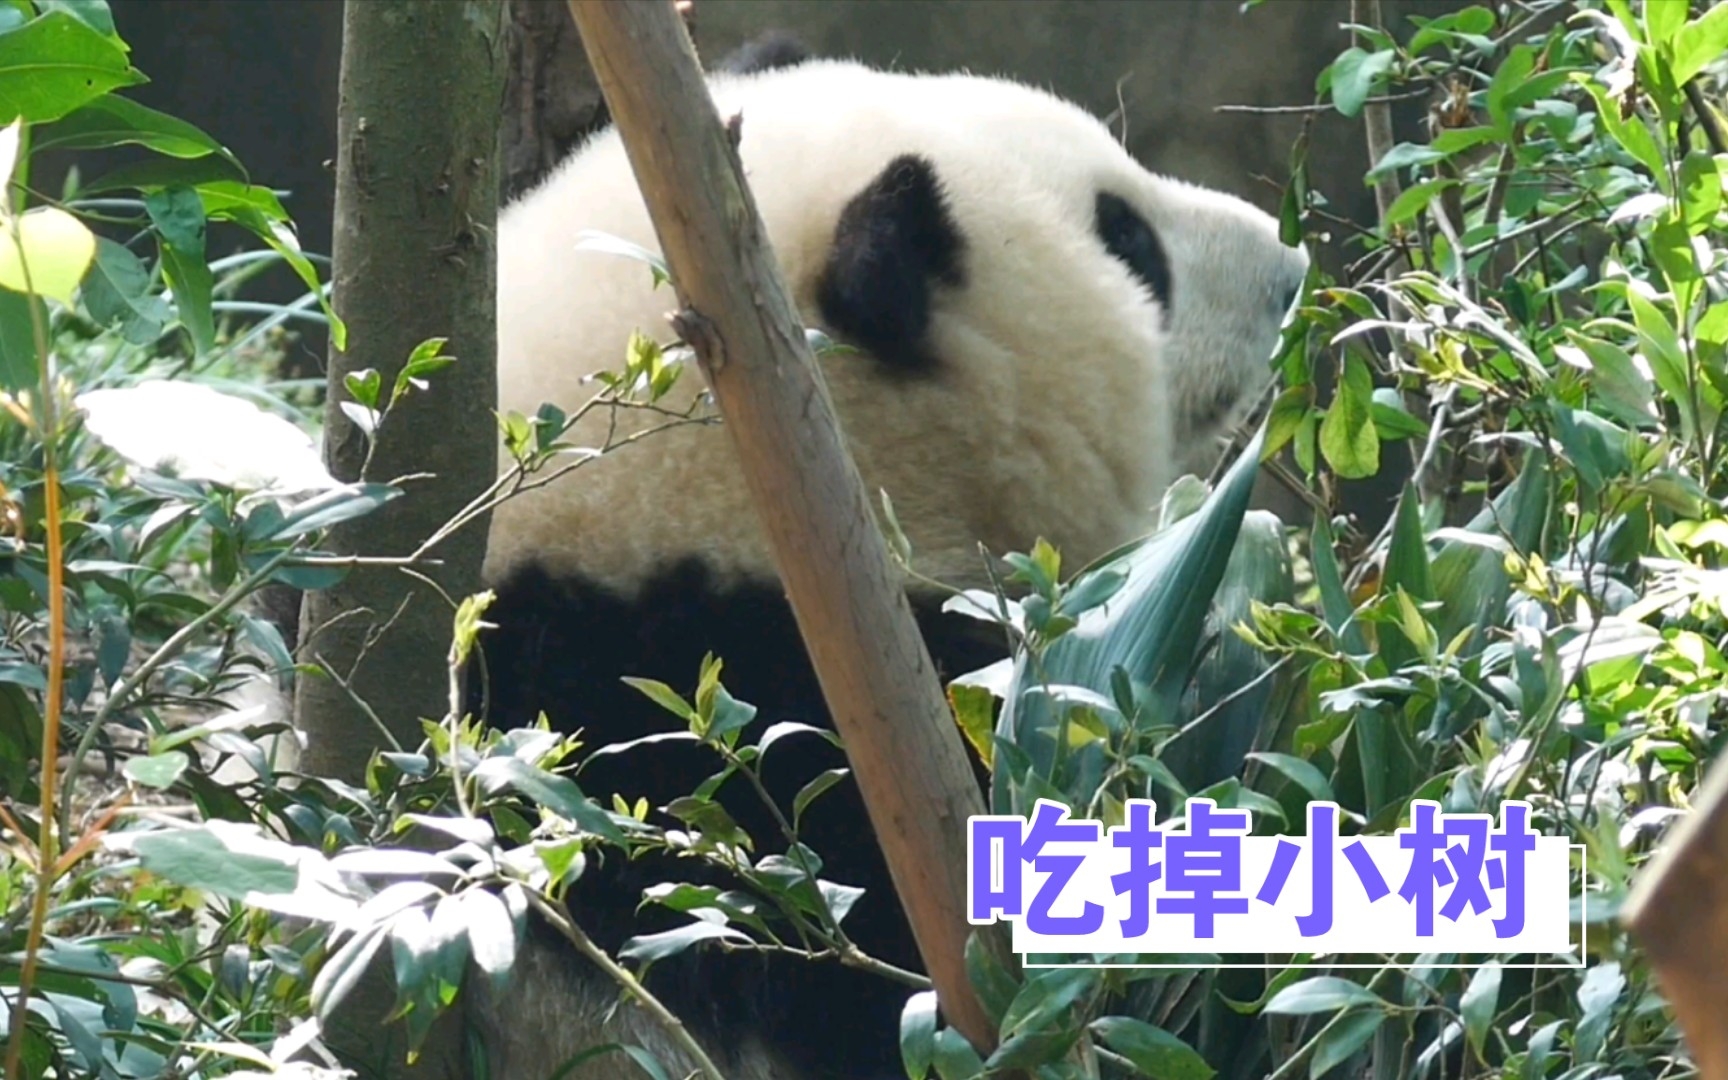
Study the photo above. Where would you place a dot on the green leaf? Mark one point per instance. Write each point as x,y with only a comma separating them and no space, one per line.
1326,993
158,771
558,794
48,255
1479,1004
1598,995
342,972
1699,42
1631,134
178,215
363,386
664,696
1407,564
427,358
117,289
1154,1051
1302,773
193,285
1620,387
605,243
491,933
56,63
1338,1042
200,859
1392,420
335,506
954,1057
19,368
1414,200
1354,74
809,792
1288,412
1662,18
1700,192
93,13
1512,74
1662,350
648,948
1402,156
1348,439
116,121
1149,629
918,1034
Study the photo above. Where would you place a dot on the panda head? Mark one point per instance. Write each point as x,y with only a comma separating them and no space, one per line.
1043,334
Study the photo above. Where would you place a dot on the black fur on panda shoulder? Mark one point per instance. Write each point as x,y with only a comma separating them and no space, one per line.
768,51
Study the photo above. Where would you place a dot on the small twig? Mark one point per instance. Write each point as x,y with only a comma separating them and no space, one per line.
650,1004
1273,110
366,710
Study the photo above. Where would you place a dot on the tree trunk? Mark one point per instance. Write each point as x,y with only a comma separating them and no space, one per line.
553,101
414,258
416,202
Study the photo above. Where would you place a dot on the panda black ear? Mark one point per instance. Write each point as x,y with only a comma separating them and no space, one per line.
895,241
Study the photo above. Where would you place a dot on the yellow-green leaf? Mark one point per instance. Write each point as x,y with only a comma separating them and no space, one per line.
56,248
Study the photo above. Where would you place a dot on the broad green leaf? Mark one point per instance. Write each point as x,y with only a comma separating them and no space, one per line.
1662,19
1338,1042
192,286
811,791
1302,773
115,121
334,506
1149,629
558,794
918,1034
1699,42
1480,1002
158,771
1348,439
648,948
1407,564
1631,134
1154,1051
1620,387
1402,156
1700,191
1662,350
491,933
1413,200
201,859
1511,75
1326,993
117,290
954,1057
45,251
56,63
1353,77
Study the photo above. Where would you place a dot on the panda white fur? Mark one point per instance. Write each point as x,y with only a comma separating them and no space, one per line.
1045,335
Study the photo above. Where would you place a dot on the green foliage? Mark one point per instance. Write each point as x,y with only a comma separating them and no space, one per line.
1538,321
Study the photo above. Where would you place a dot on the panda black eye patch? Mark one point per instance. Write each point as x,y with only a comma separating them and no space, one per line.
1127,237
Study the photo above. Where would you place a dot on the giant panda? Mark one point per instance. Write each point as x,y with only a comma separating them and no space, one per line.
1040,335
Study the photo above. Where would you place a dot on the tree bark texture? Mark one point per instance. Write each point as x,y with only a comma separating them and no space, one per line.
875,672
552,103
416,201
1678,910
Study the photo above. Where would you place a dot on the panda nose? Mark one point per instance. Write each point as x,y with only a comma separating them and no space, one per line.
1287,299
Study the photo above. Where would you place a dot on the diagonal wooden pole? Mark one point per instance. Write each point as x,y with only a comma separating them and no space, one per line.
876,674
1678,910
